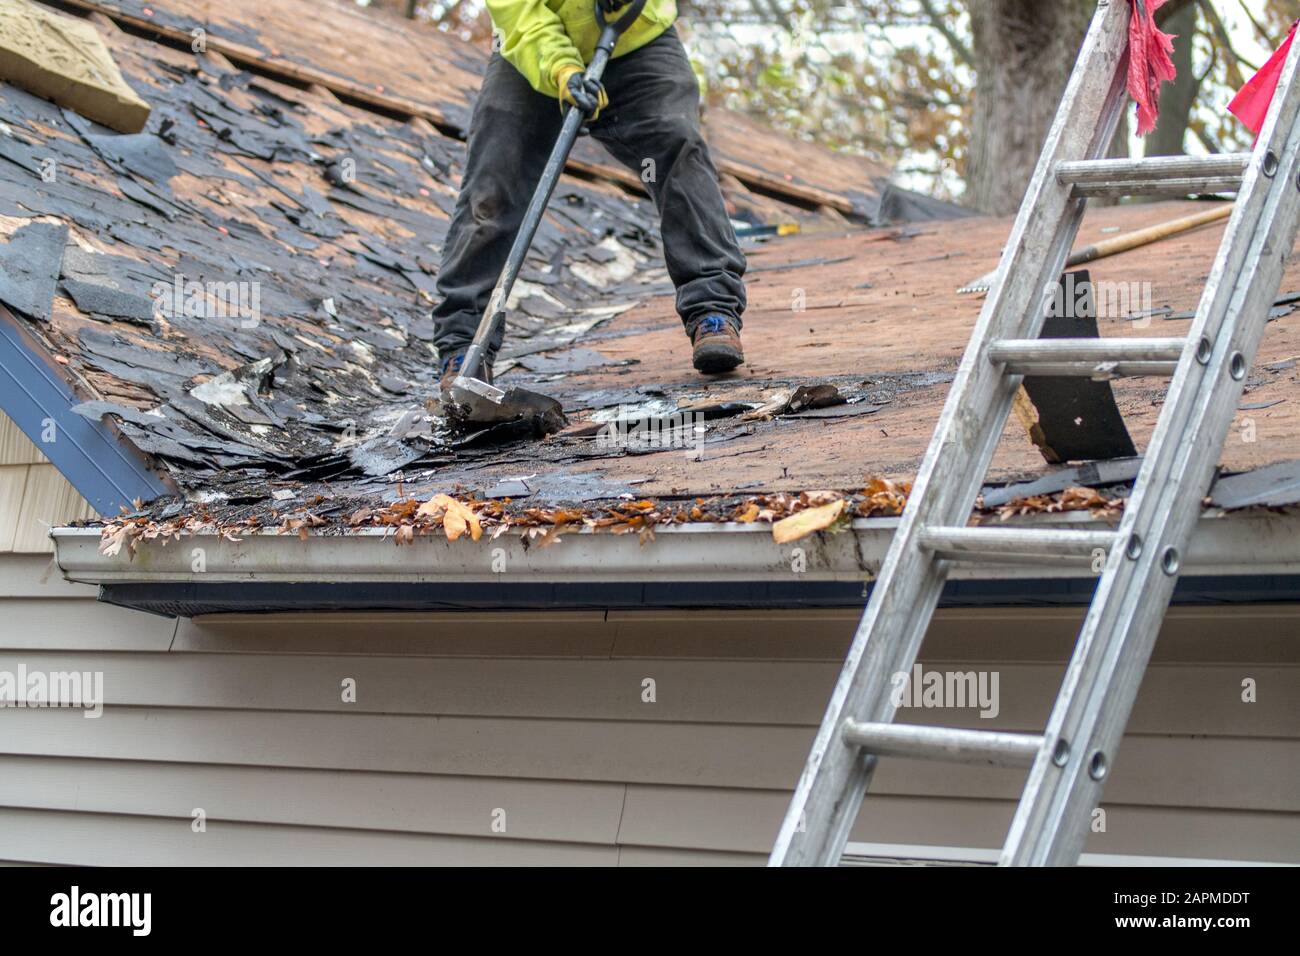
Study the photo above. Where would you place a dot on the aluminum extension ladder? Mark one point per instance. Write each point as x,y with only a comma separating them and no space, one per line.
1069,762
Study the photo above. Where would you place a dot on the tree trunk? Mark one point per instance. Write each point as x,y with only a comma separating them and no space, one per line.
1179,98
1024,52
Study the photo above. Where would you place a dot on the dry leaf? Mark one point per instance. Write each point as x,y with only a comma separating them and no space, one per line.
806,522
111,544
552,535
456,517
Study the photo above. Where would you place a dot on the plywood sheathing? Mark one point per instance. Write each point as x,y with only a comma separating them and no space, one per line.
879,307
871,311
431,74
65,60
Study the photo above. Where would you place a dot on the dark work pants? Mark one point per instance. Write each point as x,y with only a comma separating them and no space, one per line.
653,115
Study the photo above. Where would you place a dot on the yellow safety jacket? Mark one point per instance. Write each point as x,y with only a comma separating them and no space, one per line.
540,37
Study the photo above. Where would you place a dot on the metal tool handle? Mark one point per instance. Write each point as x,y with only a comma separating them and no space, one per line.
494,315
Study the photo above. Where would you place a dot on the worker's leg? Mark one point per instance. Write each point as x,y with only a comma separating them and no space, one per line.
511,135
652,125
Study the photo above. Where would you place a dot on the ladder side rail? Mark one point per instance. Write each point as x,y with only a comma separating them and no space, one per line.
829,792
1119,632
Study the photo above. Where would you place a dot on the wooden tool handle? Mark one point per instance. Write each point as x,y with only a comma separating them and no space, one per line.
1144,237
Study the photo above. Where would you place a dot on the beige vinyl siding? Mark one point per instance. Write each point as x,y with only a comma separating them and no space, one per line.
33,495
537,724
15,447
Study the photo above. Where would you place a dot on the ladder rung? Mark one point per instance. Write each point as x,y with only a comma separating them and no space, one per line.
1091,358
1158,176
943,743
967,543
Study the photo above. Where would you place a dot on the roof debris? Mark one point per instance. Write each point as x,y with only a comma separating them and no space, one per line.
792,516
1073,419
245,286
29,271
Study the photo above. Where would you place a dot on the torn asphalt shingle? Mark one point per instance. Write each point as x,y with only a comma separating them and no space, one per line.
104,299
1092,474
29,268
136,154
1272,486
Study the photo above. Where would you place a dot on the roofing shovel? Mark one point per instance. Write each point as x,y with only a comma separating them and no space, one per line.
470,399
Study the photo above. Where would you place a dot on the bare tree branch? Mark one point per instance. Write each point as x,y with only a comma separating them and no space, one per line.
1260,31
959,48
1235,76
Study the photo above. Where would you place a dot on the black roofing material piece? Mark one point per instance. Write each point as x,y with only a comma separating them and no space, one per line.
569,360
1271,487
904,205
29,268
135,154
1092,474
106,300
834,412
1078,417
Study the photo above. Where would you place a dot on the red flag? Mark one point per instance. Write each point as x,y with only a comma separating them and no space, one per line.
1149,62
1252,103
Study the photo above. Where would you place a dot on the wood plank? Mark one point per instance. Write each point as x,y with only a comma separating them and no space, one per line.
1157,770
296,38
1175,699
90,839
559,811
435,76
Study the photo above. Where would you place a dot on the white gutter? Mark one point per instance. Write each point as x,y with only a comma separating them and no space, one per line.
1238,544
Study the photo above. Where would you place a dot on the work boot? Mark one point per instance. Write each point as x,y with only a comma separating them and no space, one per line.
451,368
717,345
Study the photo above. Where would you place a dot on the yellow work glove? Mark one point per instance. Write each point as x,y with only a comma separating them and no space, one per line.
576,90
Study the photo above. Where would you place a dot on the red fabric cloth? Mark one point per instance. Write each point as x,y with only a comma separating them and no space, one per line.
1149,62
1252,103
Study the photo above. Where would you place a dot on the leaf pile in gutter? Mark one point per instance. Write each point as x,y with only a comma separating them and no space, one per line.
455,518
1071,499
793,516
